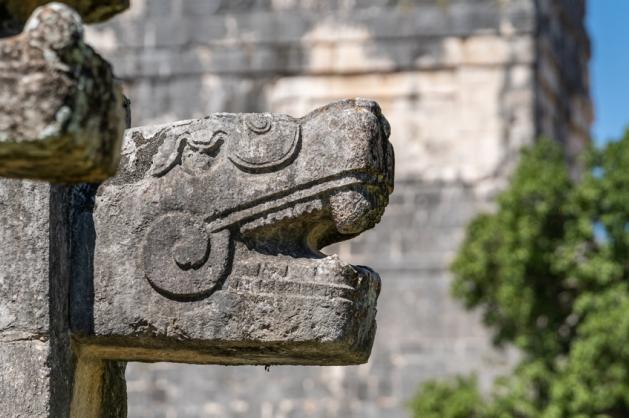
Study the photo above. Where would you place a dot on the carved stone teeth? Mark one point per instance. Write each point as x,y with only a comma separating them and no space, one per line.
253,269
332,270
293,288
274,270
246,270
299,209
306,272
328,270
264,286
288,287
327,277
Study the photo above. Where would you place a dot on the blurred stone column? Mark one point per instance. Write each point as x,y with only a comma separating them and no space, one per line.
47,74
36,362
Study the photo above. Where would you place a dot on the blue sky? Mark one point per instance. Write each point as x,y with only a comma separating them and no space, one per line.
608,24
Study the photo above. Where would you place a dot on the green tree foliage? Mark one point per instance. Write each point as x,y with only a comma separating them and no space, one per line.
458,399
550,273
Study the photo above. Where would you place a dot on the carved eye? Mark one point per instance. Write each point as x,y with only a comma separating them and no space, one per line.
267,145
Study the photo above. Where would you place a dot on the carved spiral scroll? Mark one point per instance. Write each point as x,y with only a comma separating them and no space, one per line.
183,261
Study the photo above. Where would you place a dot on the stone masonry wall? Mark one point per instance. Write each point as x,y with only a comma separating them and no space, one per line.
464,83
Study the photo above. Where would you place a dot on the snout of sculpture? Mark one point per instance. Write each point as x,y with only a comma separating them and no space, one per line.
343,165
355,138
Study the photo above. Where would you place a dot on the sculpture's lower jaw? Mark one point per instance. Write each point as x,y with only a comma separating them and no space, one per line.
270,310
321,278
325,307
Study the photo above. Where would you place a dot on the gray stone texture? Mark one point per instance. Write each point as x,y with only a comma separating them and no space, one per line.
204,248
36,362
465,84
62,114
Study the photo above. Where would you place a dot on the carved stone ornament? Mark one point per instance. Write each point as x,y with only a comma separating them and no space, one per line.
206,244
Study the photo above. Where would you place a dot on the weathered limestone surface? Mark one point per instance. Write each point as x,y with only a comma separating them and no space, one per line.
62,114
205,245
36,362
464,84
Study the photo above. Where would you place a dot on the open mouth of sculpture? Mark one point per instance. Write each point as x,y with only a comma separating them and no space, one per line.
324,213
318,214
325,278
187,256
291,205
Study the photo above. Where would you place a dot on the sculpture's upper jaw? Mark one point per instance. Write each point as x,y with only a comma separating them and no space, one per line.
352,137
325,177
342,173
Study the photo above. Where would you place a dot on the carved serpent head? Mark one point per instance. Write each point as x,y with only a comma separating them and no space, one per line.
206,244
